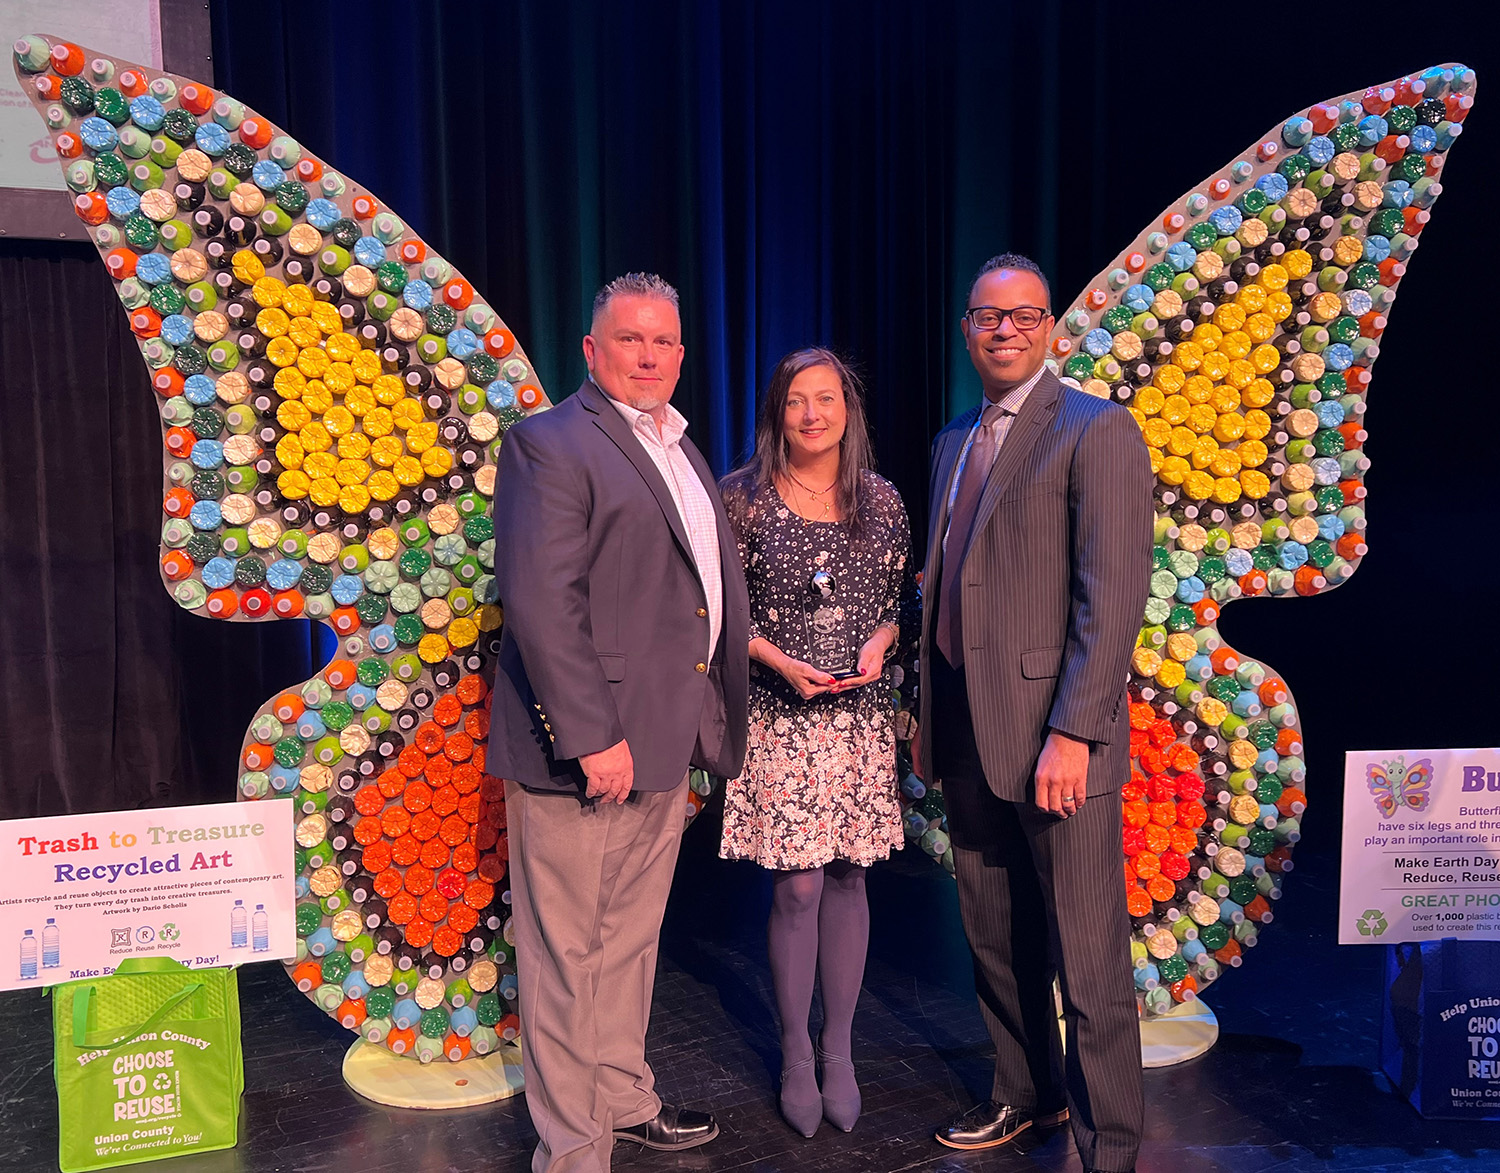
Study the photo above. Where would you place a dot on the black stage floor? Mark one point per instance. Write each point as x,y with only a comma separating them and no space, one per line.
1291,1084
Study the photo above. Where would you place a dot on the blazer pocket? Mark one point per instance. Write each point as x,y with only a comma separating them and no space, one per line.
613,664
1040,663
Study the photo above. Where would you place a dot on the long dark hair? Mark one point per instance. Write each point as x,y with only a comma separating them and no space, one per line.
769,460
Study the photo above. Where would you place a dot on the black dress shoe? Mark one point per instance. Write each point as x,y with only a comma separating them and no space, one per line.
672,1129
991,1123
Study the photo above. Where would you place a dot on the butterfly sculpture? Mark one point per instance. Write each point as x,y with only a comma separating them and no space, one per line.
1240,330
333,392
1394,784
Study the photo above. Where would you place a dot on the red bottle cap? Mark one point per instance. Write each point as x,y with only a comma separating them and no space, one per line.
67,60
222,604
255,132
131,82
91,208
458,293
195,98
145,322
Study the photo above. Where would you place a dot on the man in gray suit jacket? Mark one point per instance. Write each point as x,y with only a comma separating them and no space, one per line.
623,659
1039,552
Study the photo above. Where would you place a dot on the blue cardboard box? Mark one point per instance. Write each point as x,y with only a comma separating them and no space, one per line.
1440,1040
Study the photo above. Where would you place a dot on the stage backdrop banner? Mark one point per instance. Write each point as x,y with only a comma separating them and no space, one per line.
206,885
1421,854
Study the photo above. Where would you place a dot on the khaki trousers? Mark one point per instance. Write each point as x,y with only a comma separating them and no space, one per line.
589,885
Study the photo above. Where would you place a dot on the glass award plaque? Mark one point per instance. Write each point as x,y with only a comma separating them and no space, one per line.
830,647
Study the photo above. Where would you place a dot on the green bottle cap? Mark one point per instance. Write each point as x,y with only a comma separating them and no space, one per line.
309,919
381,304
434,1023
354,559
32,53
190,594
489,1009
80,175
380,1001
164,152
318,606
336,967
334,259
223,355
375,1029
134,143
221,182
469,398
274,220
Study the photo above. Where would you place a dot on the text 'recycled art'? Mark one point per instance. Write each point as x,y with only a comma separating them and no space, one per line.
1240,330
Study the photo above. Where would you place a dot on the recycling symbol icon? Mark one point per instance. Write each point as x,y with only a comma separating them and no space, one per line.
1371,923
162,1082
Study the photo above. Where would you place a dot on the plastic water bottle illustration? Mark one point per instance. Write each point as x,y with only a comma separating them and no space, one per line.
239,935
260,925
28,956
51,945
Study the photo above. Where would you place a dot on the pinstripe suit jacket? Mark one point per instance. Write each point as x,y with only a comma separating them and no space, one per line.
1054,583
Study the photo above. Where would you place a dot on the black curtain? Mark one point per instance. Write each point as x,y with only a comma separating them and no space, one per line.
810,172
110,697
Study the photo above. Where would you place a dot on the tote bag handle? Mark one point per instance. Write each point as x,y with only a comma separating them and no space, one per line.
81,1015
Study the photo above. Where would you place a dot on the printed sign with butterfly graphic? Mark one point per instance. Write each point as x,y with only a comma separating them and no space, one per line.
1421,850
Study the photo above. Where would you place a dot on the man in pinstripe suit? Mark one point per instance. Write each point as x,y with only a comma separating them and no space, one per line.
1039,551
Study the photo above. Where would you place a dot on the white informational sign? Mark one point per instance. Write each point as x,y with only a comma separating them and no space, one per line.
1421,846
205,885
124,28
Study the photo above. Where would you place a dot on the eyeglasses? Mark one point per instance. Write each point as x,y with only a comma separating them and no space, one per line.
989,317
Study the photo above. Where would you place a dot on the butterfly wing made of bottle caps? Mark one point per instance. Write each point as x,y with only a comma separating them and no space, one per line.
1240,331
333,394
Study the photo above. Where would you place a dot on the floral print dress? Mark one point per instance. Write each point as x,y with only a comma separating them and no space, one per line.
820,775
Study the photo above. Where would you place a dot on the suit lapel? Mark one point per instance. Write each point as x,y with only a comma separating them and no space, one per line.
612,424
1035,414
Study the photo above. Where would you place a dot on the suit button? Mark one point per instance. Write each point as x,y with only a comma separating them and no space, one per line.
700,667
702,612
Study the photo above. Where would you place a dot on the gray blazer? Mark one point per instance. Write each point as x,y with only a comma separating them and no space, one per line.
1054,583
606,625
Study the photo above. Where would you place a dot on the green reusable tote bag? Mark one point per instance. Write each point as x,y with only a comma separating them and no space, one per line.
147,1063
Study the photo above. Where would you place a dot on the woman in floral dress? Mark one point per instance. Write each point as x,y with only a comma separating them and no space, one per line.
826,546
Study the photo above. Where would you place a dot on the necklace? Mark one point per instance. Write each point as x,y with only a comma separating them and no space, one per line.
814,494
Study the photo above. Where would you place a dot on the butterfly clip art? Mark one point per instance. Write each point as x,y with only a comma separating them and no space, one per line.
1394,784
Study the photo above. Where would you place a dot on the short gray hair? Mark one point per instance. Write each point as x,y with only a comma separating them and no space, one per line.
633,285
1015,263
